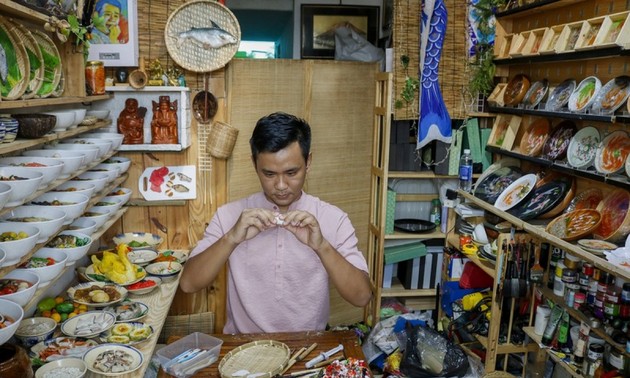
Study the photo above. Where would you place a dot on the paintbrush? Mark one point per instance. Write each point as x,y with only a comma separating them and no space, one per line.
536,272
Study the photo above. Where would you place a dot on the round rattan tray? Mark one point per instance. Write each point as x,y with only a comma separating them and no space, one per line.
194,28
265,358
34,53
53,67
18,68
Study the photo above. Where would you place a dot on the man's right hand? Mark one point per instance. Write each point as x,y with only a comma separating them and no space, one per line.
251,223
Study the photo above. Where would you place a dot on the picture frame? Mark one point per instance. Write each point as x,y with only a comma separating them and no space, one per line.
116,42
318,23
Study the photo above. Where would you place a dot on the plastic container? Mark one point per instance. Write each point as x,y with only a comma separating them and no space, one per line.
192,341
465,171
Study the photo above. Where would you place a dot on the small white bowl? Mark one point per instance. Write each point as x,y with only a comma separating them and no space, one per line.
104,146
121,163
53,222
148,240
115,138
98,179
73,253
79,116
90,152
5,193
22,297
99,217
81,187
65,119
142,257
28,338
83,225
48,273
111,172
122,193
16,313
145,290
72,203
100,114
166,270
105,319
112,204
91,355
72,160
16,249
51,168
51,367
21,189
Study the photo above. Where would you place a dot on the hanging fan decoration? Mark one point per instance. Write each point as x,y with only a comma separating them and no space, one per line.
202,36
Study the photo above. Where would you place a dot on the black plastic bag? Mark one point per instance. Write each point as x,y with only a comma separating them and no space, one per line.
429,354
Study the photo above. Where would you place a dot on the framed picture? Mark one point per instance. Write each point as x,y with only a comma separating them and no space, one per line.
320,21
115,33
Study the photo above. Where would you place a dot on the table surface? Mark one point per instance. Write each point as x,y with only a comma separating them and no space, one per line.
325,340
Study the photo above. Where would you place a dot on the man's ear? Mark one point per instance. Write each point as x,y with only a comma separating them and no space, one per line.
308,161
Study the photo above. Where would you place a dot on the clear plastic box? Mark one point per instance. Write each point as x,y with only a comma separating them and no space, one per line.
194,340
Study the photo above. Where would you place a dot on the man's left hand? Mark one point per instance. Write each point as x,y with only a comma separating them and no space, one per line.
305,227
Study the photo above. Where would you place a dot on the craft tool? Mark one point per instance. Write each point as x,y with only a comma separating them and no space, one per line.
324,356
306,352
325,363
293,359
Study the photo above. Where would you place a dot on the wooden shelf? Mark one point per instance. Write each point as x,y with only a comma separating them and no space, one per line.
151,147
398,290
407,235
420,175
624,118
20,11
20,104
539,232
537,339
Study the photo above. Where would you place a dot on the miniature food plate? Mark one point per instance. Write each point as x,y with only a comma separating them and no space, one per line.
128,311
516,192
596,247
556,145
574,225
127,333
542,199
583,147
91,294
612,95
113,359
516,90
612,153
535,137
560,95
142,256
61,347
536,93
584,95
588,199
88,324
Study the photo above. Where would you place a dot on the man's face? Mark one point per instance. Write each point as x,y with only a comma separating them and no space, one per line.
112,15
282,174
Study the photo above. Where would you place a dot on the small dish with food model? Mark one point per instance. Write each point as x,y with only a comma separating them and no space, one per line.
147,285
72,203
122,163
12,314
74,244
167,271
35,330
23,182
81,187
127,333
49,167
88,324
128,311
115,138
113,359
48,265
100,216
97,294
138,240
90,152
141,256
17,240
49,221
19,286
65,367
61,347
72,160
98,179
104,146
83,225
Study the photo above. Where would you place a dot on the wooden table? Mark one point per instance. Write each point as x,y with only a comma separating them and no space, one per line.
325,340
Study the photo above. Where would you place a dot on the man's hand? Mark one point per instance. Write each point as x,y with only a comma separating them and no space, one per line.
114,32
305,228
251,223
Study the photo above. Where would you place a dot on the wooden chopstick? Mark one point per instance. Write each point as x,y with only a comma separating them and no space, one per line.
306,352
293,359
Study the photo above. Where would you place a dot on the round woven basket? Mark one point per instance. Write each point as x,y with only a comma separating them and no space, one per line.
189,51
265,358
21,60
52,75
32,49
221,140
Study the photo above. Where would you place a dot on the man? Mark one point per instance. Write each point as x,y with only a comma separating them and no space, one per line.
282,244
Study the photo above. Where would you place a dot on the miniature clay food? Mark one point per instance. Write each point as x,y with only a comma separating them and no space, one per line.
97,294
10,236
67,241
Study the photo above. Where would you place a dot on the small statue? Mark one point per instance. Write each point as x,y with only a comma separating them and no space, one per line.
156,72
173,74
131,122
164,123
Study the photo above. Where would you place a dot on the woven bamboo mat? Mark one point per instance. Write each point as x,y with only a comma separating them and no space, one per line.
52,74
18,51
30,44
265,358
182,325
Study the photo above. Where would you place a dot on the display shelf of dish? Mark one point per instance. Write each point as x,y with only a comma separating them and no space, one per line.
539,231
580,317
532,8
39,102
559,361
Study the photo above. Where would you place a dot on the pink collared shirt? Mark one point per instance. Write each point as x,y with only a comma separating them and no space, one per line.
275,282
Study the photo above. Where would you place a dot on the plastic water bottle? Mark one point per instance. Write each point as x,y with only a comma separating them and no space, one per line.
465,171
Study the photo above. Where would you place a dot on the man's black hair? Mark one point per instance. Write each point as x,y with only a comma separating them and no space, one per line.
277,131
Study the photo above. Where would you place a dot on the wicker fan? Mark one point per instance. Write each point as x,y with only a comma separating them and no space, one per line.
52,75
36,72
202,36
16,58
265,358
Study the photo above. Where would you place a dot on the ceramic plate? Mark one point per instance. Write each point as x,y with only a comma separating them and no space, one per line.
584,95
535,137
612,152
583,147
612,95
516,90
536,93
491,187
588,199
168,255
88,324
560,95
61,347
614,208
128,311
95,277
132,356
596,247
503,162
555,147
574,225
118,293
516,192
127,333
543,199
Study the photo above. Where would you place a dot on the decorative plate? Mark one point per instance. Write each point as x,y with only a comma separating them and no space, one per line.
127,333
574,225
516,192
536,93
588,199
61,347
614,210
583,147
612,153
118,293
88,324
503,162
414,225
15,79
186,31
596,247
555,147
560,95
516,90
584,95
36,60
543,199
95,277
52,61
612,95
491,187
535,137
133,356
128,311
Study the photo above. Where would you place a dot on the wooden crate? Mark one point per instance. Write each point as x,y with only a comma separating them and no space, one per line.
504,131
588,35
550,39
518,43
569,37
496,97
534,40
615,30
